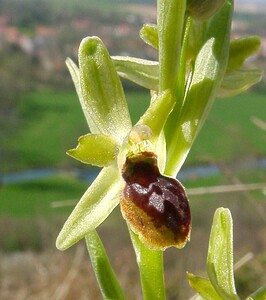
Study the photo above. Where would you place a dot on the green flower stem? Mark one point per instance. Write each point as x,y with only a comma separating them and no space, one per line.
108,283
181,85
150,263
170,22
181,81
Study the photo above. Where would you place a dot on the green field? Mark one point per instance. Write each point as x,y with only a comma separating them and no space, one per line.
53,121
51,124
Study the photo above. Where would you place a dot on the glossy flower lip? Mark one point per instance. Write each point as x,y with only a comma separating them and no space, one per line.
155,206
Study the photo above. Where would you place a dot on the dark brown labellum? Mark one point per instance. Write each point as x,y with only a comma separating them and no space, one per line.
155,206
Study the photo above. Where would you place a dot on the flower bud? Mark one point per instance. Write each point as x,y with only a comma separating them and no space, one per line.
155,206
203,9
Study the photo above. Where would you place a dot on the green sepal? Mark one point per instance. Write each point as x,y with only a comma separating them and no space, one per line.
107,281
74,72
93,208
203,287
220,255
95,149
238,81
241,49
149,34
259,294
102,90
140,71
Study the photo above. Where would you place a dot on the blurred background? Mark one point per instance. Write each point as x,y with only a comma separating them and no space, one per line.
40,118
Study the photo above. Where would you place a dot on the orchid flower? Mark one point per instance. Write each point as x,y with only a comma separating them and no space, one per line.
196,59
197,62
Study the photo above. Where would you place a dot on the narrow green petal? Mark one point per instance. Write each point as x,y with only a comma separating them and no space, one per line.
203,287
238,81
149,34
93,208
143,72
241,49
158,112
102,90
220,255
74,72
155,118
150,263
95,149
108,283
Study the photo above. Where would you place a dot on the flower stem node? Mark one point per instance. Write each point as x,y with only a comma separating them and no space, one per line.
155,206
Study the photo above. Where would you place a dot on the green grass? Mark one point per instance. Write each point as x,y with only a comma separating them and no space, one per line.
35,198
229,133
51,124
53,121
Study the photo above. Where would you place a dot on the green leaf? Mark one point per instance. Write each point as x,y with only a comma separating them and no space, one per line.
208,73
241,49
143,72
220,255
95,149
150,263
93,208
259,294
102,90
238,81
108,283
149,34
204,287
170,20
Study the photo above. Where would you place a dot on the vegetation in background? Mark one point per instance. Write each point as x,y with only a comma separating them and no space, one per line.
27,207
196,63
